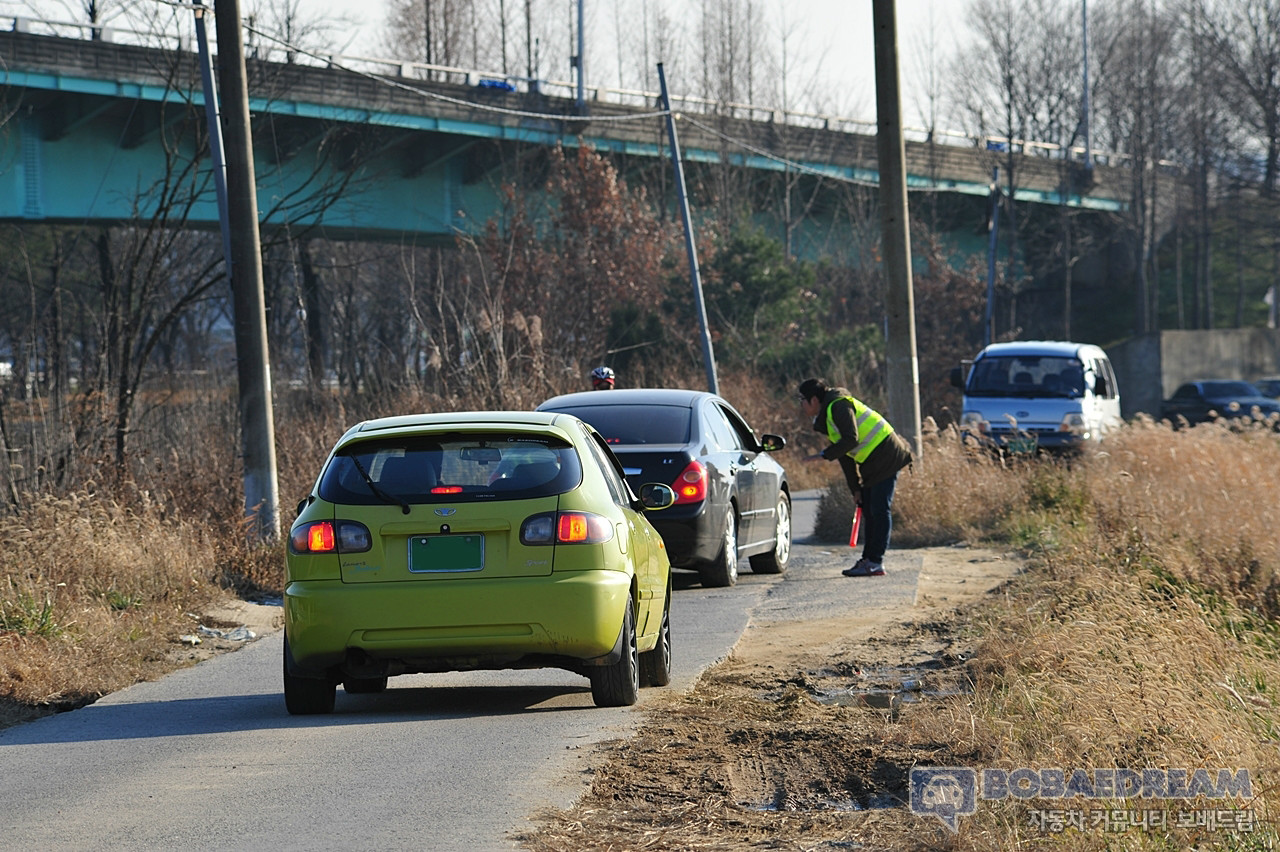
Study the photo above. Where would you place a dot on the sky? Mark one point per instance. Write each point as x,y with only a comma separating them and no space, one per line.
829,41
834,35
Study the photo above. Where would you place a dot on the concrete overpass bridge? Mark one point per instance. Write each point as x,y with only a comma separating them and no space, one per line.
406,150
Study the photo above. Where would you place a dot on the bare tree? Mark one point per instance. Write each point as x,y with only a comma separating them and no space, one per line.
1134,80
287,26
989,80
466,33
1246,39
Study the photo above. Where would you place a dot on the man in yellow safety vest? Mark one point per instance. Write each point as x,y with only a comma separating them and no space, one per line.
870,454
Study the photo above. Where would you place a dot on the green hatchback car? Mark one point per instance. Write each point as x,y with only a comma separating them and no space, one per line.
475,540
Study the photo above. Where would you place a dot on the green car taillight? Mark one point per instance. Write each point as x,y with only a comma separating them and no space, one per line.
565,528
330,537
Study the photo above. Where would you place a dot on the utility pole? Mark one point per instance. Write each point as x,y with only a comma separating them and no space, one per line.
502,18
993,237
426,32
1084,98
214,123
708,355
580,62
257,426
904,369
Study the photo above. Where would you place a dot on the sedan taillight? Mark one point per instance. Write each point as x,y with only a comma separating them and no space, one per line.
330,537
691,485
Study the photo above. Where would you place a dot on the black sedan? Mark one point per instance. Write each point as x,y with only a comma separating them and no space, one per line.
1213,399
732,499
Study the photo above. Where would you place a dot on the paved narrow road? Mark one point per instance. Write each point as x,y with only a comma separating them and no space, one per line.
207,758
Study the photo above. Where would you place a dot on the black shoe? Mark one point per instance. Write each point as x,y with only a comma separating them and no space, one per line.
863,568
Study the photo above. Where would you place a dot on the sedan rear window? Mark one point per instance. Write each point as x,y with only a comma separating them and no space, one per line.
636,424
450,468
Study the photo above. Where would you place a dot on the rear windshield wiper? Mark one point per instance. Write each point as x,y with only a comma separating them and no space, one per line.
378,492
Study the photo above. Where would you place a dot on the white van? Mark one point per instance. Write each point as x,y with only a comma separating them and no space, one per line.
1039,394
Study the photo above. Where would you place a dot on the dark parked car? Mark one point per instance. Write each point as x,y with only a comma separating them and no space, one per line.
1211,399
1269,386
732,499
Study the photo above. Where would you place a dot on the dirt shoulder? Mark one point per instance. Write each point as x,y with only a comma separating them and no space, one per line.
802,738
226,626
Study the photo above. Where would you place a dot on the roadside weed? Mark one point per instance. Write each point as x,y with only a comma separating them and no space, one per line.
25,614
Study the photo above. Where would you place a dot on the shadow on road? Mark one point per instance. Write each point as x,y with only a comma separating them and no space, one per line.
233,713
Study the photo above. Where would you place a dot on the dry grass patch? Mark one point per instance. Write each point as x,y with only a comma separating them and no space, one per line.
92,597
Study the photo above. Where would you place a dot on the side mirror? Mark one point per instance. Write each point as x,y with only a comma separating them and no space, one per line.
655,495
772,443
957,378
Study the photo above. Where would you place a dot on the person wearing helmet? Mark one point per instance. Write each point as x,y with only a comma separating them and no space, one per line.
602,378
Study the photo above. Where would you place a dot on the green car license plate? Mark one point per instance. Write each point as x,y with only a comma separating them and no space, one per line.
446,553
1022,445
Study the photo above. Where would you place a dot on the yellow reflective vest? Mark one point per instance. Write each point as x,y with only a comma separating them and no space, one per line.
872,428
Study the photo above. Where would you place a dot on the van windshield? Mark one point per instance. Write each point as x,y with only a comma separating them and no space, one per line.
1026,376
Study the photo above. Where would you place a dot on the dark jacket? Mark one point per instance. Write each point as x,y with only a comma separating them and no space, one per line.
890,455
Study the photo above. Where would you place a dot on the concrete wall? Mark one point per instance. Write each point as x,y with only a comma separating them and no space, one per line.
1150,368
1137,365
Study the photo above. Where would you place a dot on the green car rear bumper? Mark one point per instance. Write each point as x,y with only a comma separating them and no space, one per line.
568,615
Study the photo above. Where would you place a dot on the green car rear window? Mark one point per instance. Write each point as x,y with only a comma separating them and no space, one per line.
450,468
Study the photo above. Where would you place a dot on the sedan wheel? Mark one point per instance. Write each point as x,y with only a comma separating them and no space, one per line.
775,561
724,570
618,685
655,665
305,696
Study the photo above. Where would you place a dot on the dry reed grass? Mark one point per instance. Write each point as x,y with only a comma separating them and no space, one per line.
92,596
1143,638
952,493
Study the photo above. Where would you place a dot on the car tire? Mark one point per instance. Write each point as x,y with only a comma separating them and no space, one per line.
365,685
655,665
775,561
618,685
306,696
723,570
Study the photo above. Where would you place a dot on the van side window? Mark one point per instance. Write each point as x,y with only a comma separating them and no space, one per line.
1105,380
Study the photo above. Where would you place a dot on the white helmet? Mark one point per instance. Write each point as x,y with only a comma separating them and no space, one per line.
602,374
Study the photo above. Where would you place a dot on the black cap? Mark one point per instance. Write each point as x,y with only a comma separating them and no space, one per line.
810,388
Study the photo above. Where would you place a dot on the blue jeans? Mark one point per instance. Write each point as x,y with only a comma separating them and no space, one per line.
877,520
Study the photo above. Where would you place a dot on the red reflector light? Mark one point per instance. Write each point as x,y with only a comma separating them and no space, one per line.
447,489
320,537
572,527
691,485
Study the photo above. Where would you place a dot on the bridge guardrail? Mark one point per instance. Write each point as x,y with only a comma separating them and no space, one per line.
422,71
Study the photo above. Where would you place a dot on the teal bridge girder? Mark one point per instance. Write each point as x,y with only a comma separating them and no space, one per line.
90,126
